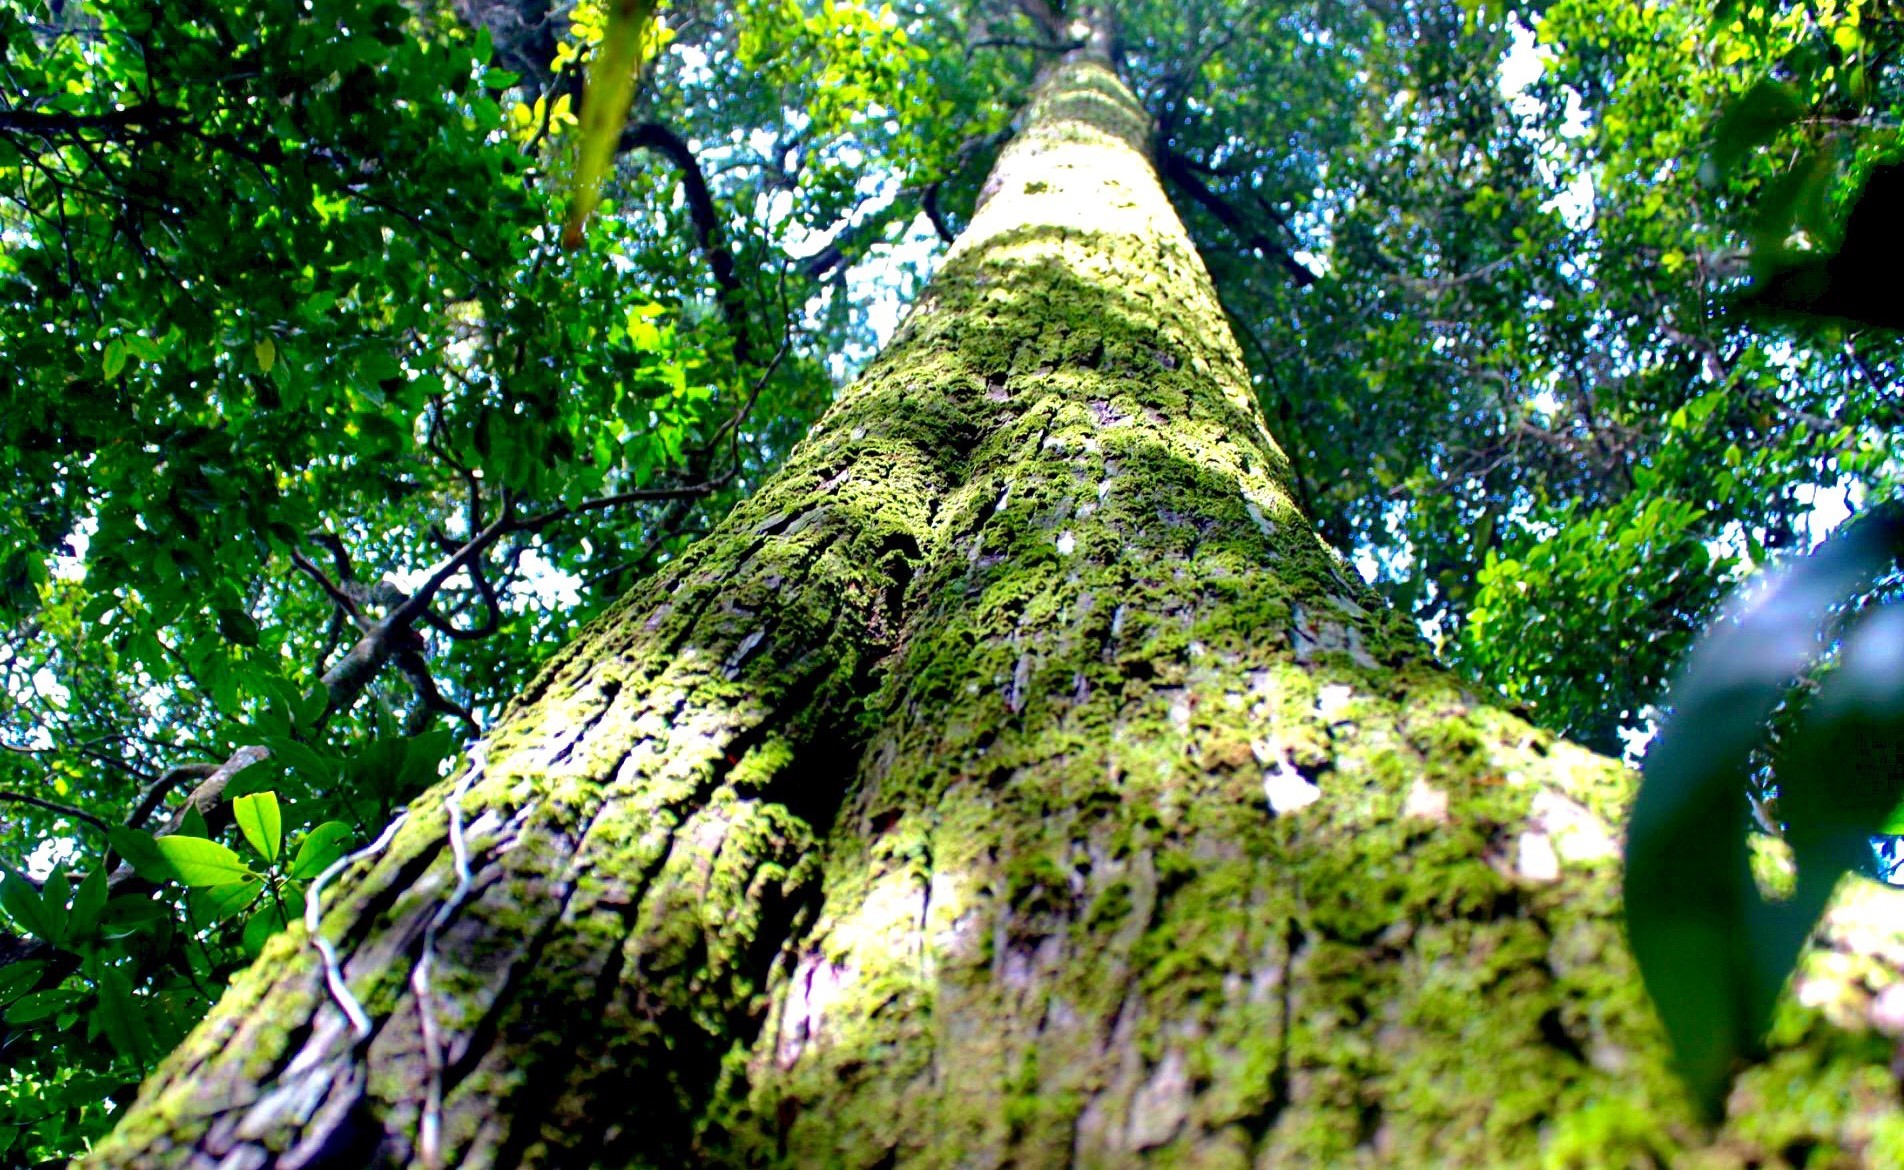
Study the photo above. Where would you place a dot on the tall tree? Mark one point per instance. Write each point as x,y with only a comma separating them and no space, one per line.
1015,779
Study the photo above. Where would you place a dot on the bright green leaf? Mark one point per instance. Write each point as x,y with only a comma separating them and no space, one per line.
261,822
199,862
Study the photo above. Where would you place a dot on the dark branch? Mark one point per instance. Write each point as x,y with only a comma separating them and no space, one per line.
707,228
1044,17
492,606
930,205
1053,46
335,592
430,699
691,492
1177,169
61,124
65,810
162,787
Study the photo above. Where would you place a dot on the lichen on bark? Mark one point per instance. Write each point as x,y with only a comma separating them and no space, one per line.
1015,780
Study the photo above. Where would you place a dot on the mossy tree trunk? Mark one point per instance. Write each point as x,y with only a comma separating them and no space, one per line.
1015,780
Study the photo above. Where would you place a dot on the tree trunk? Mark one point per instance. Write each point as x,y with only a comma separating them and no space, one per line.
1015,780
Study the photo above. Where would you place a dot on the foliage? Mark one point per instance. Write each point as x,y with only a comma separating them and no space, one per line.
1713,948
321,444
319,441
1524,338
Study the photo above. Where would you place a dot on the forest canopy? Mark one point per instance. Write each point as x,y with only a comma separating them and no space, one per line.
316,444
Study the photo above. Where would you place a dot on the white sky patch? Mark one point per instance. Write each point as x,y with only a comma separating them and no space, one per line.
73,567
1830,506
1522,67
544,585
694,64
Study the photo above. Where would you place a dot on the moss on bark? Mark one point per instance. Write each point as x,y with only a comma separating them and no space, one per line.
1016,780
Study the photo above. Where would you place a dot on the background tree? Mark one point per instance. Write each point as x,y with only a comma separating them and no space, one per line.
319,317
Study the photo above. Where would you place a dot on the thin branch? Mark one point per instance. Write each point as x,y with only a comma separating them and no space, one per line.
65,810
154,796
492,605
431,700
60,123
1053,46
707,228
1176,168
640,495
412,607
335,592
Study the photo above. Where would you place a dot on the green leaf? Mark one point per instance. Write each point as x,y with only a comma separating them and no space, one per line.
211,905
612,72
141,852
269,919
1748,122
260,820
1712,951
199,862
88,901
129,913
317,768
192,824
311,708
423,756
16,978
238,627
53,898
115,358
266,352
120,1018
322,846
23,904
41,1005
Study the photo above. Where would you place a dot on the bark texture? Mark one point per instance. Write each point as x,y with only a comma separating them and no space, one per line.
1015,781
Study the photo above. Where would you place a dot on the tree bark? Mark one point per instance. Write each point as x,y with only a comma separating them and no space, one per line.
1015,780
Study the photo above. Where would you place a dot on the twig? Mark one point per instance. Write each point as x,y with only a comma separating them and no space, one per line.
343,600
65,810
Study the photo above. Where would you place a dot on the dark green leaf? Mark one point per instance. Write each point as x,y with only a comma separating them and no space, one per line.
142,853
121,1019
42,1005
16,978
23,904
88,901
1749,122
321,846
211,905
1712,950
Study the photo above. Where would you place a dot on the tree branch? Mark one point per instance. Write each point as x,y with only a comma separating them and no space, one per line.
707,228
60,123
154,796
492,606
335,592
639,495
65,810
1177,169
